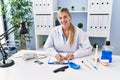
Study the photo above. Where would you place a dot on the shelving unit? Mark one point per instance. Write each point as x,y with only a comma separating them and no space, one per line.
92,13
99,18
43,20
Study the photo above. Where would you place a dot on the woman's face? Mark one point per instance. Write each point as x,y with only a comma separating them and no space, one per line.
64,19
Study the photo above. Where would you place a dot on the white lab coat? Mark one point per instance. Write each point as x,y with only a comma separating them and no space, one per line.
57,43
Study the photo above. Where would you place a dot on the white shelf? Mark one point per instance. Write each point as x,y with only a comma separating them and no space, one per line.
100,10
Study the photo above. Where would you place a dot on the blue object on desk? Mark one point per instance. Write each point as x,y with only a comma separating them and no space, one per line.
107,54
74,66
57,62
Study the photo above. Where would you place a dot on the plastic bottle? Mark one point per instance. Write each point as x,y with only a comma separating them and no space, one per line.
96,54
107,52
96,57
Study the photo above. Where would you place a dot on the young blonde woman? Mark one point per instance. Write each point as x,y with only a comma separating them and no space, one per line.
67,38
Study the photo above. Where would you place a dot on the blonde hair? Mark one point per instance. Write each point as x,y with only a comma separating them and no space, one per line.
71,29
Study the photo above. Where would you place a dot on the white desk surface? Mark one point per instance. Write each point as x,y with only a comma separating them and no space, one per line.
28,70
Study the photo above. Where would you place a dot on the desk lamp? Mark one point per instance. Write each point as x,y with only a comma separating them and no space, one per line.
23,31
5,62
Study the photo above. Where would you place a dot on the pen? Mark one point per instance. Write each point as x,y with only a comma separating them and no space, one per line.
93,65
86,65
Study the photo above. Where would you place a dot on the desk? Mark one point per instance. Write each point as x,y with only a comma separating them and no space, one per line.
28,70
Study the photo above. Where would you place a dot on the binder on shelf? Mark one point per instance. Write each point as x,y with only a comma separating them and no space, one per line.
40,5
43,21
100,25
91,23
106,23
44,7
102,5
49,21
107,5
37,25
97,5
35,5
91,5
96,23
48,6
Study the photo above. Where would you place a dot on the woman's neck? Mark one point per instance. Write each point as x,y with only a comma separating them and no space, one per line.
66,33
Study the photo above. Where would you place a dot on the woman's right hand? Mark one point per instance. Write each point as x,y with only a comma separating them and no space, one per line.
59,57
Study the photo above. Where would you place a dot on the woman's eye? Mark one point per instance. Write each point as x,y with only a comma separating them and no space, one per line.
65,16
60,17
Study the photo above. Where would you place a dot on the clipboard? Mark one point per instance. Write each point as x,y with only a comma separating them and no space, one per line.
53,60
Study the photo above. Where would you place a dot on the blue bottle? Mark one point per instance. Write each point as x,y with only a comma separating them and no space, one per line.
107,52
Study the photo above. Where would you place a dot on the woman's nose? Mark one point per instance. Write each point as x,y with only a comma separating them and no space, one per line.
62,19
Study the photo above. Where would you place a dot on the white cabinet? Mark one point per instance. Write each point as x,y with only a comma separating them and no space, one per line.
99,18
43,20
94,14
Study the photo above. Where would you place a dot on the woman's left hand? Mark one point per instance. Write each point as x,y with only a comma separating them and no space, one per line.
69,57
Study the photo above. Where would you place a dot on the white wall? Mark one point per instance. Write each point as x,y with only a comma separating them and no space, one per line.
115,27
1,26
